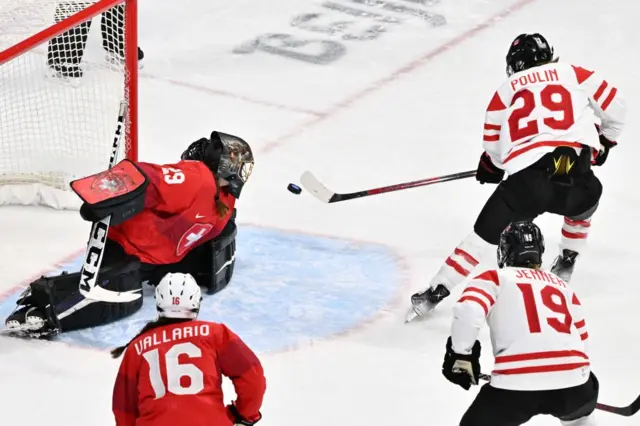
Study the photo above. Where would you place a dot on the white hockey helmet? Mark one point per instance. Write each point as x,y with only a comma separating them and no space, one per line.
178,296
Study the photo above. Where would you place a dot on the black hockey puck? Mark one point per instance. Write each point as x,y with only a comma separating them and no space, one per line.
294,188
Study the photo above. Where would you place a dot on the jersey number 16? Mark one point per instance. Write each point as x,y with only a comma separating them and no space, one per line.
175,371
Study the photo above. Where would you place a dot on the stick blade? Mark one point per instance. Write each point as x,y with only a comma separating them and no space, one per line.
315,187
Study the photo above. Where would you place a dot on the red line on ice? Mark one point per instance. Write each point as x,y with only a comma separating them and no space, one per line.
427,57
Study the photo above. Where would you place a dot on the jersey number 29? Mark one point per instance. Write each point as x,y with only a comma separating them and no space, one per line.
554,98
552,299
175,371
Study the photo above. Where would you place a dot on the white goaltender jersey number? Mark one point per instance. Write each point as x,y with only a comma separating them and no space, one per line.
173,176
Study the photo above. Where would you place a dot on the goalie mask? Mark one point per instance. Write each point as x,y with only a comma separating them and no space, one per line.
227,156
178,296
521,244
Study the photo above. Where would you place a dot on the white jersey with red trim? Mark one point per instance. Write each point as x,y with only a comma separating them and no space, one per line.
538,332
548,106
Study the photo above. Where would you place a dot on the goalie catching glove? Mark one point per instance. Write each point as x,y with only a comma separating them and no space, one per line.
462,369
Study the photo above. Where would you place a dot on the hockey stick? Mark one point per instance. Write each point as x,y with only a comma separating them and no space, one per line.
97,239
626,411
322,193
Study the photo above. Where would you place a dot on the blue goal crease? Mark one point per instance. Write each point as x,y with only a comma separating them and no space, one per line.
288,288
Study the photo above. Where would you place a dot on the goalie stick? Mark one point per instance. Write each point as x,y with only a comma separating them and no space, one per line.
626,411
322,193
97,239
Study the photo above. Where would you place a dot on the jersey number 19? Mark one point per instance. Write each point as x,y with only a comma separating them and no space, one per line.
554,300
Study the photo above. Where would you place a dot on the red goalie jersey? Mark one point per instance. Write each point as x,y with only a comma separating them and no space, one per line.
547,106
179,213
538,331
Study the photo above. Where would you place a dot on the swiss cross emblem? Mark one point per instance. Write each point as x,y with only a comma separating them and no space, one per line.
192,236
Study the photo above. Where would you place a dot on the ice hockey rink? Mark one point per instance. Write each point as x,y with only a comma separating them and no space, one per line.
364,93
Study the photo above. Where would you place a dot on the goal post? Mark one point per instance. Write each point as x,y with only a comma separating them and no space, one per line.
65,68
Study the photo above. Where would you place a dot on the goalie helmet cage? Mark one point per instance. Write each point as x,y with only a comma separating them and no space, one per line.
65,68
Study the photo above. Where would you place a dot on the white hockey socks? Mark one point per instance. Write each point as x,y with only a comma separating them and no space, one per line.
574,234
461,262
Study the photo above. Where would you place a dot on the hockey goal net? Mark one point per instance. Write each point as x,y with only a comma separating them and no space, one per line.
65,68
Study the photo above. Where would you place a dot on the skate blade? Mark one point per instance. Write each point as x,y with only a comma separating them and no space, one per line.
411,315
414,312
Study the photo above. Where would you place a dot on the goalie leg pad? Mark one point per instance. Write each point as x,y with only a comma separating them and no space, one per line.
211,264
66,309
223,250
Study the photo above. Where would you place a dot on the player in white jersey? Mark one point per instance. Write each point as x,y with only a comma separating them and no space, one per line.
540,128
539,339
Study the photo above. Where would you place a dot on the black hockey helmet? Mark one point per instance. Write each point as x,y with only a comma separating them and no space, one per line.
521,244
527,51
227,156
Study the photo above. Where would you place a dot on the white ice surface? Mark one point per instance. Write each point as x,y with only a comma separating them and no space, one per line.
406,106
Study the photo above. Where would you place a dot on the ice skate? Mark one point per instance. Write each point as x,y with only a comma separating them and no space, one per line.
65,70
117,59
564,264
424,302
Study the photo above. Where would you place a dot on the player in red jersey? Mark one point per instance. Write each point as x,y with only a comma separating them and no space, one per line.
540,130
171,373
180,219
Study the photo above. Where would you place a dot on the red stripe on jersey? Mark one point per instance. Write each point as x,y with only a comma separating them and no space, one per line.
491,138
584,336
489,276
581,74
496,103
607,102
455,265
476,300
571,222
580,324
539,355
600,90
492,126
575,300
542,368
482,292
535,145
574,235
466,256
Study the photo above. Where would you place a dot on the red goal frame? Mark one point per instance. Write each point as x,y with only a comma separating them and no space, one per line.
131,57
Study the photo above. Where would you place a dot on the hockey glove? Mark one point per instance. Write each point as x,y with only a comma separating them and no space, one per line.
238,419
487,171
604,153
462,370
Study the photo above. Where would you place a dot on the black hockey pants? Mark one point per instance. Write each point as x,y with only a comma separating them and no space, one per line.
537,190
502,407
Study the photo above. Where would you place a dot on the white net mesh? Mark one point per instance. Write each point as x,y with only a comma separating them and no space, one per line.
59,100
